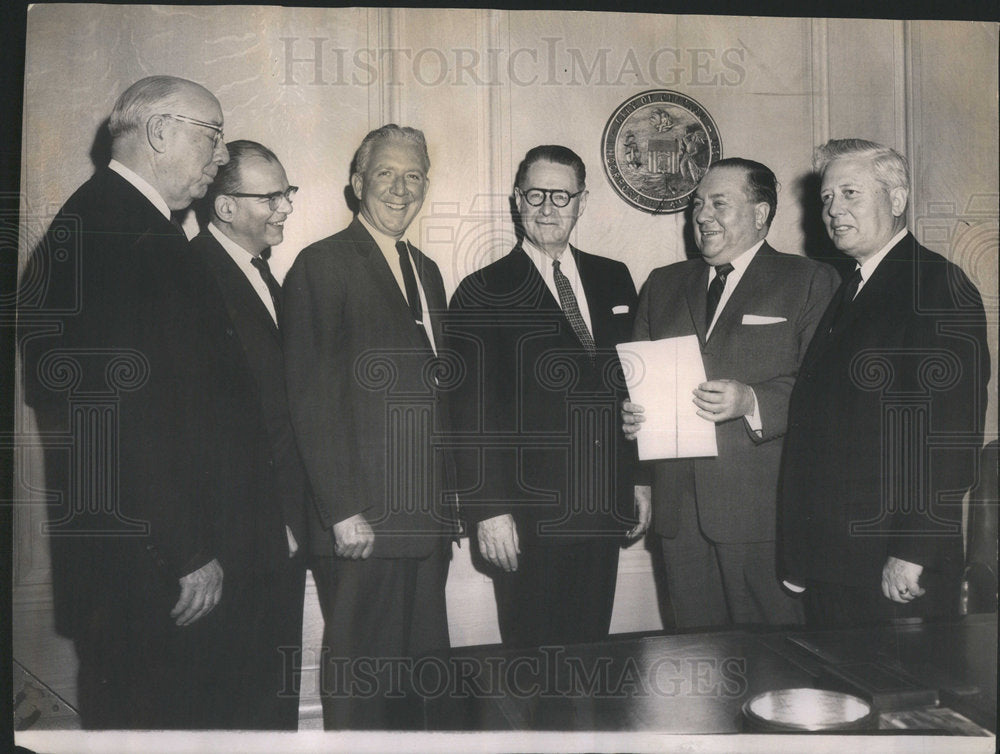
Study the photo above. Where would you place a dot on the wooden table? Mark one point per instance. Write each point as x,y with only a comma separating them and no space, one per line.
697,683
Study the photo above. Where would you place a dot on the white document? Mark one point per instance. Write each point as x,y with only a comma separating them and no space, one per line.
661,376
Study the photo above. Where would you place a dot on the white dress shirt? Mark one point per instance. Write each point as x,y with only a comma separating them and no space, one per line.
387,245
567,266
243,259
874,261
142,185
740,265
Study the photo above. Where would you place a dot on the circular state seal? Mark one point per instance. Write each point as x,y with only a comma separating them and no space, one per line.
656,147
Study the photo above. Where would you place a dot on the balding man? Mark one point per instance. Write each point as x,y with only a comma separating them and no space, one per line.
133,370
754,311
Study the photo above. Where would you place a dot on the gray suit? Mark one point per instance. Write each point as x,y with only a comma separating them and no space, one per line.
703,506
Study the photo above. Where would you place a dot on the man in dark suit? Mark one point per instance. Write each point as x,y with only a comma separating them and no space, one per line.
361,324
248,204
548,484
886,419
754,311
125,366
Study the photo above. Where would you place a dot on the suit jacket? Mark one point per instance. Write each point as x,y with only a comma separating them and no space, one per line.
542,417
126,367
364,396
735,492
885,425
276,479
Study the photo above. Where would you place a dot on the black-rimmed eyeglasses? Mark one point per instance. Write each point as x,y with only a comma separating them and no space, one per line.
217,137
536,196
273,199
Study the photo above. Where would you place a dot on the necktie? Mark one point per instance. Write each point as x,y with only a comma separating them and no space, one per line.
571,309
843,298
715,289
272,285
410,281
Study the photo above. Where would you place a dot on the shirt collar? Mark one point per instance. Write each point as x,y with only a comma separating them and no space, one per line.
386,243
543,260
743,261
869,265
234,249
142,186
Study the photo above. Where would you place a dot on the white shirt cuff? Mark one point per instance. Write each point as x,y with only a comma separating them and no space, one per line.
753,418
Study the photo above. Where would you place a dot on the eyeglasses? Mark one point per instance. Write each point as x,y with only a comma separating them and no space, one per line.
194,121
536,196
273,199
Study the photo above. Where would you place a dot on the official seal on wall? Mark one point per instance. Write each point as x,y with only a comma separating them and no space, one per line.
656,146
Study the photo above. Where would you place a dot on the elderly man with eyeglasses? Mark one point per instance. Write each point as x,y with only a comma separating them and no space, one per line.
548,477
129,369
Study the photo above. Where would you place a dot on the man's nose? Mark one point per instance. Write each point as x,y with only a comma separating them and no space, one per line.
221,156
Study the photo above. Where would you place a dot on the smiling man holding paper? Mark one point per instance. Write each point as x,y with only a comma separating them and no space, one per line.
753,312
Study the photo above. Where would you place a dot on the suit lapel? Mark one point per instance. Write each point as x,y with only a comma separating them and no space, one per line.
874,297
388,288
696,293
237,286
600,309
748,289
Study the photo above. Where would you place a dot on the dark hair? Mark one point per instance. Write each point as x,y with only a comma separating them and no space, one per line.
552,153
229,178
761,184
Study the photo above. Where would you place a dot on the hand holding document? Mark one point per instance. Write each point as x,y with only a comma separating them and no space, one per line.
661,376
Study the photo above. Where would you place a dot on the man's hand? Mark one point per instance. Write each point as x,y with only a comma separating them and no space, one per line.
353,538
201,591
643,510
900,580
722,400
632,416
498,541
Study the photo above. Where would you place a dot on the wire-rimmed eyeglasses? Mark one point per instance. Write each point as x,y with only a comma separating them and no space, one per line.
217,137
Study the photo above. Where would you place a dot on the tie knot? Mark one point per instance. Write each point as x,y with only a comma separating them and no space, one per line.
401,248
261,263
723,270
555,265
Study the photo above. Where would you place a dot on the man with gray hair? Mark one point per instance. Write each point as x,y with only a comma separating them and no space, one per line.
886,418
134,373
361,325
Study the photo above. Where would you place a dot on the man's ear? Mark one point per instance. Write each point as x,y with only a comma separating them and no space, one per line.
357,183
224,208
897,199
760,212
156,133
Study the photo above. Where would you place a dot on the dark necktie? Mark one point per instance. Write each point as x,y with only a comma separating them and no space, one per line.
272,285
410,281
843,298
175,220
715,289
571,309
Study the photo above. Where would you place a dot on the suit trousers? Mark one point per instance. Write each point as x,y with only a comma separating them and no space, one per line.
719,584
830,605
266,640
379,614
559,594
138,670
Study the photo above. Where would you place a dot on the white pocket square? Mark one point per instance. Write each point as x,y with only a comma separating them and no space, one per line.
620,309
760,319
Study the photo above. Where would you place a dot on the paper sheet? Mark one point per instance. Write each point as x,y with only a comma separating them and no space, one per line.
661,375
